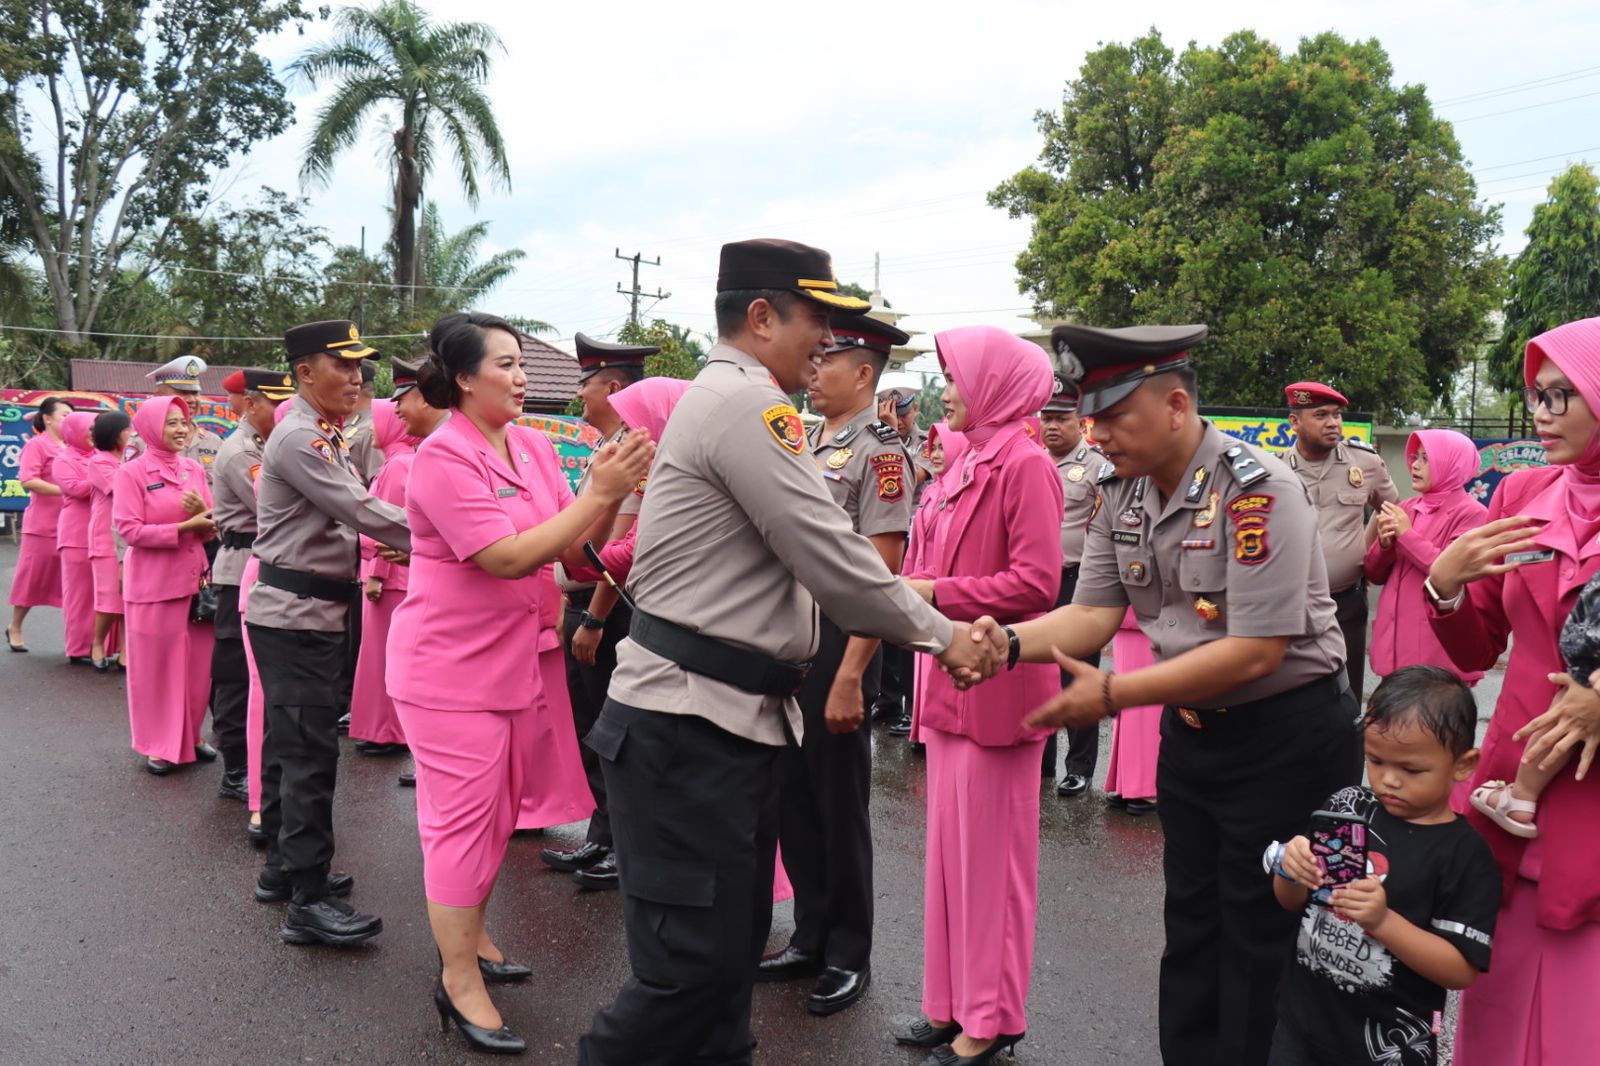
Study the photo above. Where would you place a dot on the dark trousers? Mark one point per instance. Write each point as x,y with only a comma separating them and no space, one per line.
352,650
230,680
897,676
301,678
1225,791
694,810
823,820
1350,610
1083,745
586,688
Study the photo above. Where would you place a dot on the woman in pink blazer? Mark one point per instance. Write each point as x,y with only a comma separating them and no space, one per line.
37,581
110,435
945,449
462,665
994,549
70,472
161,506
1518,576
1411,534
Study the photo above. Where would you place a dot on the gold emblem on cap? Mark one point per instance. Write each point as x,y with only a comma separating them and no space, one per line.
1191,718
287,381
355,334
1207,610
192,368
1208,514
1357,478
1074,473
1302,398
837,460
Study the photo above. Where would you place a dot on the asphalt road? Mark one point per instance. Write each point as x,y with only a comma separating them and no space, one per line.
130,935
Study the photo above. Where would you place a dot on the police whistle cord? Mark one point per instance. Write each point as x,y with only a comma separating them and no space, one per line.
594,559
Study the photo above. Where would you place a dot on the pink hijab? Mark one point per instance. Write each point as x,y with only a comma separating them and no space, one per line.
282,410
1575,348
75,431
1001,377
955,446
388,432
149,421
1452,461
648,404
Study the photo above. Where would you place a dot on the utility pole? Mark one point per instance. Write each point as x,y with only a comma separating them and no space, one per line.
361,293
634,293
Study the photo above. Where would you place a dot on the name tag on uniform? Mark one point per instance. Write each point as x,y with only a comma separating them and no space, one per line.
157,485
1540,555
507,491
1125,536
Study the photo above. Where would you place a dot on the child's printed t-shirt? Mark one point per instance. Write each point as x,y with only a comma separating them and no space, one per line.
1345,995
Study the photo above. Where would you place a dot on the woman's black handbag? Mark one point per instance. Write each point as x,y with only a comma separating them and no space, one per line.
203,607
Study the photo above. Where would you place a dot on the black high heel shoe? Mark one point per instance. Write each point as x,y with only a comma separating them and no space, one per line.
504,972
501,1041
1005,1043
921,1033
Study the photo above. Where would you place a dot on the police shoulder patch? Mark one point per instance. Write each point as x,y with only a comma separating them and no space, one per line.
885,432
322,448
255,471
1361,445
890,470
1108,472
783,422
638,490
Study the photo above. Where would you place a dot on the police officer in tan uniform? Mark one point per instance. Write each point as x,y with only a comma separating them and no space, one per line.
367,458
737,533
181,377
594,621
823,823
1214,544
1346,478
1078,464
233,493
310,506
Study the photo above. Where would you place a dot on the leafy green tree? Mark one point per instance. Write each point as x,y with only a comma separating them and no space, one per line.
433,76
1556,277
114,117
1316,216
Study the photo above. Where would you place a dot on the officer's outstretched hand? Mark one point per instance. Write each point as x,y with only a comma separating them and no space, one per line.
1081,704
973,654
617,469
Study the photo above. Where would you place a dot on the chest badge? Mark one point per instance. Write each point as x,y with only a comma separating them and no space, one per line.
839,458
1074,473
1131,518
1208,514
1135,571
1207,610
1357,478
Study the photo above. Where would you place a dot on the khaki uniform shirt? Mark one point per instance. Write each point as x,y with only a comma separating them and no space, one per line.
630,506
233,496
1233,553
203,447
310,504
867,472
368,460
738,532
1352,478
1079,470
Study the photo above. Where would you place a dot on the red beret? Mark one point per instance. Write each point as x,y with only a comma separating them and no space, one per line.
1313,394
234,382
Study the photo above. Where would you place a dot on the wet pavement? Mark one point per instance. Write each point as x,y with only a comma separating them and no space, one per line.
130,935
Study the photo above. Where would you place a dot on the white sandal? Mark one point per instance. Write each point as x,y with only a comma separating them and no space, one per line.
1500,814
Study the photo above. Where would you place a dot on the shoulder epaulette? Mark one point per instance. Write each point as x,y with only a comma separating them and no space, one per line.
1362,445
844,436
1108,472
885,432
1246,469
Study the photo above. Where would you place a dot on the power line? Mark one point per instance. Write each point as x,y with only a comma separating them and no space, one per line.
1522,86
277,339
1535,159
634,293
1526,107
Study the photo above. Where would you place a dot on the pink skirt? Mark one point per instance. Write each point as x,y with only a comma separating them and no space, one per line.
1536,1005
372,715
107,584
77,600
169,678
555,792
37,580
1136,736
982,887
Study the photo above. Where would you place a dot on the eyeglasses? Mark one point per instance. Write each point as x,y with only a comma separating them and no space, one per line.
1554,399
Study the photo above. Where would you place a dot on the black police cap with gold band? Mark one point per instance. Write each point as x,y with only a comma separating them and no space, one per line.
768,263
338,337
862,331
595,356
405,376
1064,398
1108,364
273,384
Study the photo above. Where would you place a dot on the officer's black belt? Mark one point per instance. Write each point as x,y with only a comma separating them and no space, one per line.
1355,591
303,584
1068,569
1304,697
732,665
231,539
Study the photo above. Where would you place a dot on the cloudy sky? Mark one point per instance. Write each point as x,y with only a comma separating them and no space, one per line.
875,130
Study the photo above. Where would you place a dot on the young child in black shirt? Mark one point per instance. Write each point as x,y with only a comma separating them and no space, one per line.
1370,969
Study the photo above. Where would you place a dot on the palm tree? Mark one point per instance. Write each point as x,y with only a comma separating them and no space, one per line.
434,74
451,274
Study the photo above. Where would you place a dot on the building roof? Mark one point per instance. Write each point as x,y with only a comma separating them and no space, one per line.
552,375
116,376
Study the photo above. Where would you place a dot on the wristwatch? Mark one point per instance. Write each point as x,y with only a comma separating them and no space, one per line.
589,621
1014,649
1440,604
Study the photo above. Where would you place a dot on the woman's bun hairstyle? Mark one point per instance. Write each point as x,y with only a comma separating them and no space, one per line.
458,346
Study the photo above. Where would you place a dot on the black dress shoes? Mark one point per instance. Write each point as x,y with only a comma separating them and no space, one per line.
504,972
159,767
501,1041
328,921
788,964
342,726
600,877
1139,807
235,785
887,708
901,727
407,779
837,989
254,833
77,660
1003,1045
921,1033
571,859
339,885
205,752
1073,785
375,748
